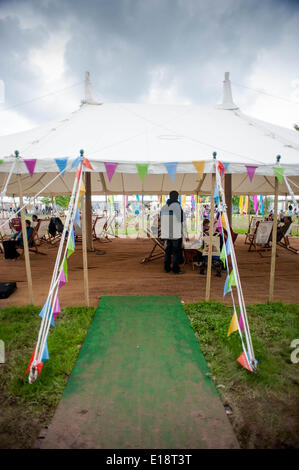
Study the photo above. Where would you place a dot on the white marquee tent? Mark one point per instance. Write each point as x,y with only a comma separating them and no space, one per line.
155,134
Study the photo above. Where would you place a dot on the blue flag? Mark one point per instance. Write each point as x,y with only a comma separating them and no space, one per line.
77,161
45,356
171,169
226,287
61,163
216,194
43,312
227,246
77,217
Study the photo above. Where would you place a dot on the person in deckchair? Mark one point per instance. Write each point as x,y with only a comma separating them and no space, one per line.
172,230
19,236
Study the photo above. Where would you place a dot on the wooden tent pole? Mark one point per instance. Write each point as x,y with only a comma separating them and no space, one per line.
25,244
211,233
274,238
88,211
84,251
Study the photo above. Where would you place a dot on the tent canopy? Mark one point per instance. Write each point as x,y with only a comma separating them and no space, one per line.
156,134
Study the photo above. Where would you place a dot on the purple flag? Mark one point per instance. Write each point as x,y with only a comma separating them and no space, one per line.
30,165
110,169
219,225
62,279
251,170
56,308
241,324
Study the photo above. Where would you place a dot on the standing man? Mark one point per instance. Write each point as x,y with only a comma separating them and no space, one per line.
172,230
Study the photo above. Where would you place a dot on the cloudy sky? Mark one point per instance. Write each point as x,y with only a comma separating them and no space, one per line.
147,51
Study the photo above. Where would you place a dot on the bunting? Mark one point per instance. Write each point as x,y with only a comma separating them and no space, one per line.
233,325
45,355
61,278
77,217
42,312
70,248
216,194
65,268
251,171
30,362
241,324
231,280
241,203
56,308
61,164
255,204
87,163
171,169
227,288
76,162
222,256
221,168
278,173
226,165
110,169
246,204
244,361
200,167
30,164
82,188
142,169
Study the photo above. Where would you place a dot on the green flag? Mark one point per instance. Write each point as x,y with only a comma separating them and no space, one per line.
142,170
222,255
231,279
70,248
278,172
65,269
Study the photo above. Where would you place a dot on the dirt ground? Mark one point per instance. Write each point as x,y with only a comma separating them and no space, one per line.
119,272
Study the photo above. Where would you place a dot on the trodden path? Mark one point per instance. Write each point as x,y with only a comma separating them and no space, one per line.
140,381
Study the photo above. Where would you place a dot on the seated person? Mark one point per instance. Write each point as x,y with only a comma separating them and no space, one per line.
18,237
10,246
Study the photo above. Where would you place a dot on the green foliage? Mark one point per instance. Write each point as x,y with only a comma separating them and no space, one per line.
62,201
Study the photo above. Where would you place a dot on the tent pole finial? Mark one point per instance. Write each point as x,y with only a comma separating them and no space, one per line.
88,99
227,97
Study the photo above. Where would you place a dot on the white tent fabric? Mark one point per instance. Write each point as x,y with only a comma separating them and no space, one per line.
154,134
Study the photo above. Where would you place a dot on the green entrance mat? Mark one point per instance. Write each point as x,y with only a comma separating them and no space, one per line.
140,382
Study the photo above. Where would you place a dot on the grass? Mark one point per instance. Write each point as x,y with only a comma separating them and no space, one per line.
263,406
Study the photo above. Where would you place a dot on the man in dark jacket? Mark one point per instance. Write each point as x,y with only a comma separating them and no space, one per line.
172,230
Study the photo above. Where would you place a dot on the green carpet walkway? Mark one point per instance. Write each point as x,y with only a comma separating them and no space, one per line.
140,381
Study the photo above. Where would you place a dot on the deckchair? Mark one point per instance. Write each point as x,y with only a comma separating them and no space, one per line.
284,240
108,227
251,229
33,246
15,224
260,240
99,229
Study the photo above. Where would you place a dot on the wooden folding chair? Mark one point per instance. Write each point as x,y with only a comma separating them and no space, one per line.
251,229
260,240
153,231
99,229
284,241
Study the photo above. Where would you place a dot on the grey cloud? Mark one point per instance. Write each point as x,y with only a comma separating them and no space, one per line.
122,42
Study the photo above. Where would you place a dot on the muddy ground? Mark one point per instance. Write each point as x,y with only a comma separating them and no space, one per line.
119,272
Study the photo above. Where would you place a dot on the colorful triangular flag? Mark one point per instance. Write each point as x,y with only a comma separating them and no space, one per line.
70,247
241,324
56,308
45,355
227,288
231,280
30,165
244,361
278,173
82,188
142,169
43,310
222,255
61,163
216,194
226,165
76,162
171,169
227,245
251,171
233,324
62,280
30,362
200,167
77,217
65,269
87,163
110,169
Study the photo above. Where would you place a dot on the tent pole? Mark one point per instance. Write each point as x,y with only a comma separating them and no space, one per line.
196,215
25,243
211,233
88,213
84,251
274,238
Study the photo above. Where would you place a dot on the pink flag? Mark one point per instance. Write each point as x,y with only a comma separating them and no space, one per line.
251,170
219,226
30,165
255,203
56,308
241,324
62,279
110,169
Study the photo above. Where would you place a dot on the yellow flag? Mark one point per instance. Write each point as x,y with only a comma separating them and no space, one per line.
163,199
233,325
223,222
82,188
184,201
241,205
200,167
246,205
